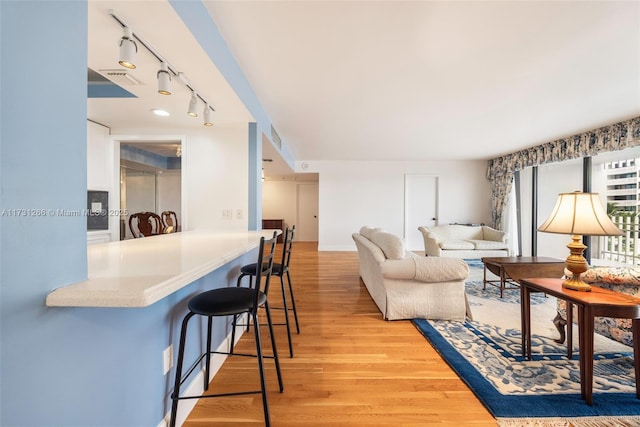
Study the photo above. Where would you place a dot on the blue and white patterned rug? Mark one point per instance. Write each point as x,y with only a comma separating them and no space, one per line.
487,354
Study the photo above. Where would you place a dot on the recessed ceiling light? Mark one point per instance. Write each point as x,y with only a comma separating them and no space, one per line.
158,112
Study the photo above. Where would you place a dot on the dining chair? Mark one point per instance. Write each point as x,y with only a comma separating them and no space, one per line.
170,220
144,224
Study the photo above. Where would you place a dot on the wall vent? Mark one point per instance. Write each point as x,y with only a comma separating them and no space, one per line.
121,77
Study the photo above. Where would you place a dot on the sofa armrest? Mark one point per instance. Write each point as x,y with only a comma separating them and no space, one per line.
493,234
436,270
428,270
400,269
431,242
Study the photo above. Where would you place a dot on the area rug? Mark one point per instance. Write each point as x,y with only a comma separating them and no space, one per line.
487,354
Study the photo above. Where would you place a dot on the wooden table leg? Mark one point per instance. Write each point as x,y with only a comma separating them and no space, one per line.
569,308
585,331
484,278
636,353
525,321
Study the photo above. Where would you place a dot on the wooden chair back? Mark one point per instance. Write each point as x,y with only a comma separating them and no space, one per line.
144,224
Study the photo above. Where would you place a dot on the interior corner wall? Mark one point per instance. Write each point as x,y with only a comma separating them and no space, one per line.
357,193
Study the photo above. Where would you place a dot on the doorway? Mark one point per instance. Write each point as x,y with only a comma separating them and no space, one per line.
307,230
150,179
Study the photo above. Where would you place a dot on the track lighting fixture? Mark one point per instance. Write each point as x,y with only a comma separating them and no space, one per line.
128,49
164,79
193,105
207,115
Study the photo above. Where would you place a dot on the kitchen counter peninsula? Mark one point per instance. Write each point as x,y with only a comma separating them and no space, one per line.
140,272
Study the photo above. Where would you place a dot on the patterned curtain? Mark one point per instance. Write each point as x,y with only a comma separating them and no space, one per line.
618,136
500,190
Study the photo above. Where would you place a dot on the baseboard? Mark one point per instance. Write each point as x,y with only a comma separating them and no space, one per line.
195,387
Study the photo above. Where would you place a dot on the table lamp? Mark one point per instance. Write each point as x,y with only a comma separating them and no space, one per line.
579,214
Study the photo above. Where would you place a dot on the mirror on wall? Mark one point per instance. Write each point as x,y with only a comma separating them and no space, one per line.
150,180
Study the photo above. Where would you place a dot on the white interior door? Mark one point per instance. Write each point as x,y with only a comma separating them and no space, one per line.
420,207
307,226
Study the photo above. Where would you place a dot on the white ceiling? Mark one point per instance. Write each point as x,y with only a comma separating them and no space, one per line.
394,80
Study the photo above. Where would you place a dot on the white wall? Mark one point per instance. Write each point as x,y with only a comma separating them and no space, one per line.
357,193
169,189
216,178
214,174
100,177
99,158
279,200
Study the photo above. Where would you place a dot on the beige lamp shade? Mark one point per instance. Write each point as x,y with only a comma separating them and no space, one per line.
580,213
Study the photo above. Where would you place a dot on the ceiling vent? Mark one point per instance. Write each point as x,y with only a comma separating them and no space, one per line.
276,138
121,77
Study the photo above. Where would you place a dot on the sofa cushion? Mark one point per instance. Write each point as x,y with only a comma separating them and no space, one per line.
457,245
626,276
366,231
488,244
457,232
391,245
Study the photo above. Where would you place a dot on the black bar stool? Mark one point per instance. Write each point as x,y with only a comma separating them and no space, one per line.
232,302
280,270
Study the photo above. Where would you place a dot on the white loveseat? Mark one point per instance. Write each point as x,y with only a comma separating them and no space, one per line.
464,241
406,286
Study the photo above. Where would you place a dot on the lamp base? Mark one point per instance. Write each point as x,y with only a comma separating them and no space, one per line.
576,264
576,283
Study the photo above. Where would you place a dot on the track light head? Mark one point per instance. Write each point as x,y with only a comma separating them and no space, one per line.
128,49
207,115
164,80
193,105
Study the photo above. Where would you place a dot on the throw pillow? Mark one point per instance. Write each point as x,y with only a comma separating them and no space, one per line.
391,245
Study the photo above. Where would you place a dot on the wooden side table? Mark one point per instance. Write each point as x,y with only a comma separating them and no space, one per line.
511,269
597,302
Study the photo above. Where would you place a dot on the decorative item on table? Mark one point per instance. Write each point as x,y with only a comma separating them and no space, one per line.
579,214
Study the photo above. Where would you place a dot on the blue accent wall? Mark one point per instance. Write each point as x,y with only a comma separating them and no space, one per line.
71,367
101,90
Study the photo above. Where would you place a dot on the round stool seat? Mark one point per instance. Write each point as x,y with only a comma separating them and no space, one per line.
225,301
251,269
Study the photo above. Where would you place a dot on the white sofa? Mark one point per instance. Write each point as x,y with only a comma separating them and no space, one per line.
464,241
406,286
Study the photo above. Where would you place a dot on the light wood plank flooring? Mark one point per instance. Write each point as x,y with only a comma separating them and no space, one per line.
350,368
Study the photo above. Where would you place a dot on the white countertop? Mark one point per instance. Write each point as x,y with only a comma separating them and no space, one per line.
140,272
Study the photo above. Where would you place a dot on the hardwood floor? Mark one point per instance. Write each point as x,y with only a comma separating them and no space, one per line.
350,368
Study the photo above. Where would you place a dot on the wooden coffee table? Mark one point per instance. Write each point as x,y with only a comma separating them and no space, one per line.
597,302
513,268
